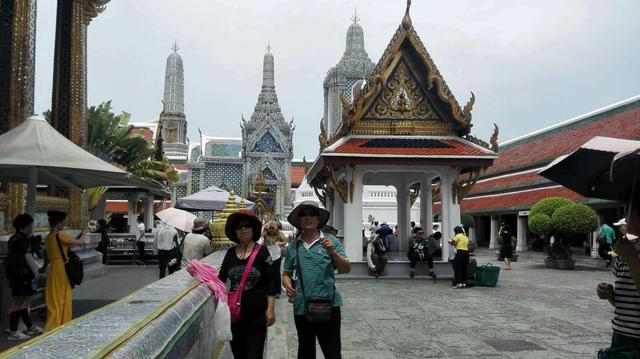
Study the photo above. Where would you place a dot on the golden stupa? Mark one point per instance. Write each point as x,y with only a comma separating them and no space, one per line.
217,226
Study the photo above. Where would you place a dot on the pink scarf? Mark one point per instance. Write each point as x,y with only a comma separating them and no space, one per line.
208,275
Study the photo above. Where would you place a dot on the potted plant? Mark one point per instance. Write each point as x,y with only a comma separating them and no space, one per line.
560,217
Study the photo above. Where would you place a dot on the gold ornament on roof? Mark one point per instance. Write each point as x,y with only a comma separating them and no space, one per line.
217,226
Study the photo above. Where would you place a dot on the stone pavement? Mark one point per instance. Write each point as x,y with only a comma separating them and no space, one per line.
534,312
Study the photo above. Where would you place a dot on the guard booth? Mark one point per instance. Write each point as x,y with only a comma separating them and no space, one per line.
404,128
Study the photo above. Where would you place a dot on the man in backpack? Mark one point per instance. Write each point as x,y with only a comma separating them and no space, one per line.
605,238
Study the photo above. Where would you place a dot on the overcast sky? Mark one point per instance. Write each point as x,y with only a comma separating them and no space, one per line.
530,63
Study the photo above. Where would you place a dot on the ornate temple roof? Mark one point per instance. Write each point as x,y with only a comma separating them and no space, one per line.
405,95
267,107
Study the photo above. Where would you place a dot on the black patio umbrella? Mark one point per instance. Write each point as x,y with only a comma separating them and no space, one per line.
587,170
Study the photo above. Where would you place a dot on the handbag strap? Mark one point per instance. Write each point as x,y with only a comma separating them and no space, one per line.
64,258
245,274
333,297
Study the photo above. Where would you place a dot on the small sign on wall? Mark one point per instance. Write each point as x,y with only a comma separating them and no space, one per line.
523,214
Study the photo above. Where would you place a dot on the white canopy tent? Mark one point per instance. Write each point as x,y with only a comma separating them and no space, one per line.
35,153
209,199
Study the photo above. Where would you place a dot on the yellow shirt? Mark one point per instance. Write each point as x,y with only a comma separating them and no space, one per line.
462,242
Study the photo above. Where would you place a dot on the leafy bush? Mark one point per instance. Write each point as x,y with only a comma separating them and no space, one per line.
540,224
549,205
574,219
467,220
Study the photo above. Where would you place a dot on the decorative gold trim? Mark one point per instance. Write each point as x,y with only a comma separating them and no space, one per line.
340,185
4,201
352,183
404,112
321,194
414,192
465,181
494,139
48,203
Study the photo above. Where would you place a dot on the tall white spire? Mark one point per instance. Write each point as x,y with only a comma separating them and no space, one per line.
267,107
267,69
174,82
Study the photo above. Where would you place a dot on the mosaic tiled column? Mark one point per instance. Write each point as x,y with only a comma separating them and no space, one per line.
69,100
17,76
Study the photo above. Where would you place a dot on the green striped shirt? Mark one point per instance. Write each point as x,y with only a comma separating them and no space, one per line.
317,269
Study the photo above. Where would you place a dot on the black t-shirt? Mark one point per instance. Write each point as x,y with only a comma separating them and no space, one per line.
260,283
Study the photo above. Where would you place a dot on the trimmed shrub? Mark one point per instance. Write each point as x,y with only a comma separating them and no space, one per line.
574,219
467,220
549,205
540,224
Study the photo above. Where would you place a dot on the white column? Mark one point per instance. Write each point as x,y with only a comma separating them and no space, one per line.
472,235
404,214
428,224
450,209
352,230
148,211
522,234
131,212
493,233
595,246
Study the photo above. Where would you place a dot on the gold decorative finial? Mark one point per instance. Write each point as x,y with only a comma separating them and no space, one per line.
175,47
406,20
355,17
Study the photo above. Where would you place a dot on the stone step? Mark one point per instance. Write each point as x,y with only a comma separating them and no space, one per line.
400,270
94,270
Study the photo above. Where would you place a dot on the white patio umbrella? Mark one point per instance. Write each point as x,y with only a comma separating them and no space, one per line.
35,153
177,218
209,199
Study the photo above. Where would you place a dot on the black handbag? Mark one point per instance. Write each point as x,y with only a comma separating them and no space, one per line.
316,309
73,265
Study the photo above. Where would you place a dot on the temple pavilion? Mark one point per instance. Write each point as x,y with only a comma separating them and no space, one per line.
404,128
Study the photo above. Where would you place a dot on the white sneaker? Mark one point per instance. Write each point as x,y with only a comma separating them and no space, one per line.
460,286
18,336
464,285
35,330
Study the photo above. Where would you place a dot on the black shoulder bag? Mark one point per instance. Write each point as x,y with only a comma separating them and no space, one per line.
317,309
73,266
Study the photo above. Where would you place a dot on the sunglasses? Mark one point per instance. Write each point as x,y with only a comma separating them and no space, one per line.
241,226
309,213
420,233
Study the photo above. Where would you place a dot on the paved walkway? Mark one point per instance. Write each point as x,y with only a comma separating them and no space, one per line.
534,312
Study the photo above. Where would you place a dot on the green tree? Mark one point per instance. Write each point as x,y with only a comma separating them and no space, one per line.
110,137
574,219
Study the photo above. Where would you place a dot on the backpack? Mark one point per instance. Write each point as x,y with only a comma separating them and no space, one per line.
16,268
72,265
601,238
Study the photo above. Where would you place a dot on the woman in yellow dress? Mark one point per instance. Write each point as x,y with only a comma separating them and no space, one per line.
58,293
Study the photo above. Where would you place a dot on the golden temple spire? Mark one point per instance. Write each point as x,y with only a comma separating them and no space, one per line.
406,20
175,47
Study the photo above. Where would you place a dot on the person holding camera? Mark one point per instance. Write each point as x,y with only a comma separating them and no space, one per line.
314,255
507,244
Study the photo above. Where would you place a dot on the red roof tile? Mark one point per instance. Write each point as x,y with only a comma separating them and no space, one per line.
507,182
624,125
117,207
512,201
180,166
297,175
451,147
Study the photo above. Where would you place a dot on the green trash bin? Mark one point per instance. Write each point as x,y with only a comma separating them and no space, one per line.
487,275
